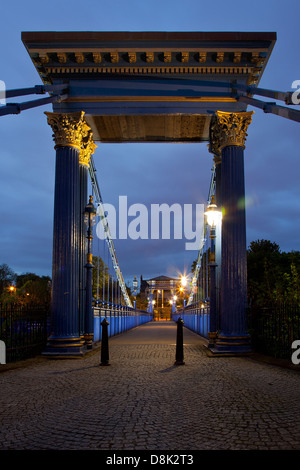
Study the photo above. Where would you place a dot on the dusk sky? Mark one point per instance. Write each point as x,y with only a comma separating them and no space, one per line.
145,173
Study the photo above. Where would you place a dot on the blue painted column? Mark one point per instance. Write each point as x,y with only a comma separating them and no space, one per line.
229,135
218,234
65,339
151,301
83,178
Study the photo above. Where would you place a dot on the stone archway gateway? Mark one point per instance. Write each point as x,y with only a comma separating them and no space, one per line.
148,87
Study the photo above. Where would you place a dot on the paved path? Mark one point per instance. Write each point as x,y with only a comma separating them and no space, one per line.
143,402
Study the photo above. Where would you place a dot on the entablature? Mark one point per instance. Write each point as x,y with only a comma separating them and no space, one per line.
67,53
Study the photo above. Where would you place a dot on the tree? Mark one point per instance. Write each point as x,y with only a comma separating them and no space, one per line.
272,275
98,278
7,278
34,289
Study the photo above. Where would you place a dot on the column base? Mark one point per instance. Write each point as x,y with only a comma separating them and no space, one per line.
230,345
212,337
65,348
88,340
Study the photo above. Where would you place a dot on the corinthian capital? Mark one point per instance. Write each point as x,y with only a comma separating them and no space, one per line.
229,129
68,129
87,149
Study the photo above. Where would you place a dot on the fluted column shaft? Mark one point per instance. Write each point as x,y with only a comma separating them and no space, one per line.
234,261
228,135
83,179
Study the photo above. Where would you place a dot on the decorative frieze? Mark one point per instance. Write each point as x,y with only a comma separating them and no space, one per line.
113,61
79,57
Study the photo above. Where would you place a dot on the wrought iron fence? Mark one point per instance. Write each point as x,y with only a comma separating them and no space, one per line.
24,330
196,318
274,329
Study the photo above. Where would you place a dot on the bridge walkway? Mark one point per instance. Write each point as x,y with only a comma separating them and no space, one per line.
142,401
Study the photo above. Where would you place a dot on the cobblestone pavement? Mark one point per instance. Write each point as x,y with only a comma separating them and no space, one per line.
142,401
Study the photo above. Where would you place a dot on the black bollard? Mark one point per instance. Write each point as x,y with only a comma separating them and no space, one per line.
104,344
179,344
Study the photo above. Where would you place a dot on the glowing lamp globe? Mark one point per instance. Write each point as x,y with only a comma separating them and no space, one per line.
213,215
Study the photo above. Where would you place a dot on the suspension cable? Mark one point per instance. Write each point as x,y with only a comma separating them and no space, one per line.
109,240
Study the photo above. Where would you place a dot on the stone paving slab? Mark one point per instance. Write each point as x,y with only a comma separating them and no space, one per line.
142,401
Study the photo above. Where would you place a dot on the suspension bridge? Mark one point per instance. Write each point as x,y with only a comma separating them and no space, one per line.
148,87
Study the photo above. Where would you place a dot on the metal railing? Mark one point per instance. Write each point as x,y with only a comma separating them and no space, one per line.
24,330
195,317
274,329
120,319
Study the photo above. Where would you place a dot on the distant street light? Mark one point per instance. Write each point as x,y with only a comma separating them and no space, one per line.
89,219
183,281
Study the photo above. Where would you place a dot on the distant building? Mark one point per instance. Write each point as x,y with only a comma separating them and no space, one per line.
159,290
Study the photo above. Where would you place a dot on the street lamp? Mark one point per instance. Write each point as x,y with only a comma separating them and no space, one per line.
183,281
89,219
213,217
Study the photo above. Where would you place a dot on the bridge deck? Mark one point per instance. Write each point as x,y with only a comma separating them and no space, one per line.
156,332
143,402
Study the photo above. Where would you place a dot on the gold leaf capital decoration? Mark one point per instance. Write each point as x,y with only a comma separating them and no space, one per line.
69,129
229,129
88,148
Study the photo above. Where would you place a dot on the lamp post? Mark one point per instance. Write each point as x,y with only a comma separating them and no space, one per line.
89,219
135,286
213,217
174,303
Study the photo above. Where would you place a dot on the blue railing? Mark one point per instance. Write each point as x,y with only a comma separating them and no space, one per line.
120,319
196,318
